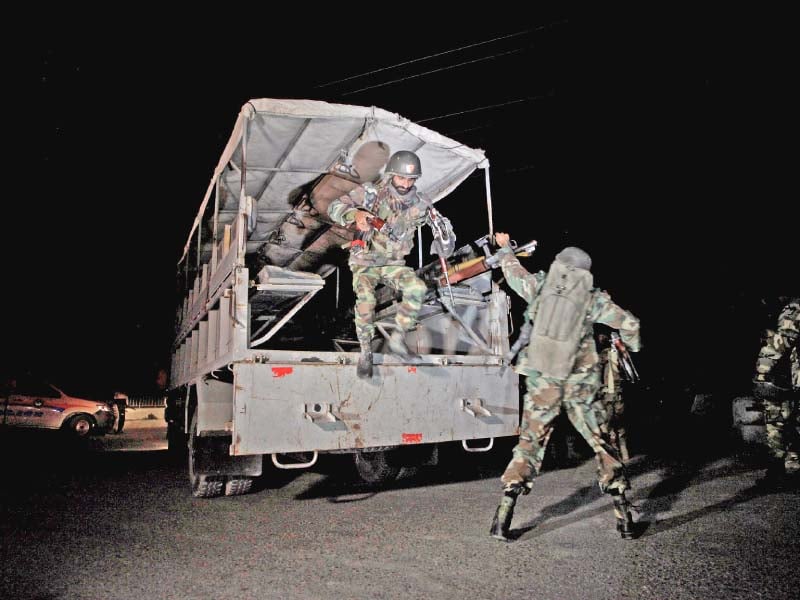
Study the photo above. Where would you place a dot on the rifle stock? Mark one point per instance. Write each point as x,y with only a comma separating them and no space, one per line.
476,266
466,269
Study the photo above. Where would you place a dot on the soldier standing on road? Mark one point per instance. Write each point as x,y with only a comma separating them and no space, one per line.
780,403
379,257
560,367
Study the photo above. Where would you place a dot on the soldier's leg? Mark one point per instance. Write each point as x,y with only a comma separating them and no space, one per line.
115,411
603,410
782,439
618,426
775,415
413,289
365,279
611,472
792,460
541,404
578,404
606,418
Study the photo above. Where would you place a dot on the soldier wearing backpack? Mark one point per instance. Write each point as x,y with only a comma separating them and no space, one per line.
561,368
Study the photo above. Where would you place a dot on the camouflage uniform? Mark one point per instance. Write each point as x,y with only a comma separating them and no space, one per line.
546,396
382,260
781,414
609,402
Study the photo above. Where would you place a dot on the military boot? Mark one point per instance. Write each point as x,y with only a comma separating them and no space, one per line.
501,523
364,368
622,510
397,345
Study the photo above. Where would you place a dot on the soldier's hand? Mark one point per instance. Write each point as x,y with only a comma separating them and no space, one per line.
502,239
361,220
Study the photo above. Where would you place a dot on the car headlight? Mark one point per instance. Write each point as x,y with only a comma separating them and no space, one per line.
104,407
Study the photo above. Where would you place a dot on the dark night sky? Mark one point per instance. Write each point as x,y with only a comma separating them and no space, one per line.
644,139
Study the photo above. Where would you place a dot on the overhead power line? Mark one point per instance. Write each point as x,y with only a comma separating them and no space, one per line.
469,62
408,62
487,107
452,50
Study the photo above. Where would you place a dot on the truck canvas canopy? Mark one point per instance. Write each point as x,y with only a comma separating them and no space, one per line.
278,148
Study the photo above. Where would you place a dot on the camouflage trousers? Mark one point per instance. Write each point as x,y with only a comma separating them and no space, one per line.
400,278
611,417
542,403
783,430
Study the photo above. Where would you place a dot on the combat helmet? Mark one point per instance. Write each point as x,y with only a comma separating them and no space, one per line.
405,164
574,256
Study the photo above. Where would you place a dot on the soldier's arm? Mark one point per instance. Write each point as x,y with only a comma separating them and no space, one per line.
518,277
444,237
605,311
343,209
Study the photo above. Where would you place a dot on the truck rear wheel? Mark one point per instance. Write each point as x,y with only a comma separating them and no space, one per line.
236,486
203,485
376,467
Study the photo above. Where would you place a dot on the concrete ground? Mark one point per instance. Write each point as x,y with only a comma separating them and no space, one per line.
108,524
144,429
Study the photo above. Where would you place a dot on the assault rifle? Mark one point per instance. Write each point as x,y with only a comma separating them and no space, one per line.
625,360
476,266
362,237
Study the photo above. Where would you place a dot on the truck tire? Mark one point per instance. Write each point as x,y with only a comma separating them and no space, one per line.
203,485
375,467
236,486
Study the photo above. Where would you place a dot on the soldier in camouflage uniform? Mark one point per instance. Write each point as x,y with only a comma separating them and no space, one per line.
609,400
781,405
381,257
547,395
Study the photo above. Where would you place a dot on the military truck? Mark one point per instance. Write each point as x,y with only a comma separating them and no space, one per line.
262,363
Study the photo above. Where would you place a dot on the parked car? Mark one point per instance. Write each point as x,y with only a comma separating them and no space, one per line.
44,406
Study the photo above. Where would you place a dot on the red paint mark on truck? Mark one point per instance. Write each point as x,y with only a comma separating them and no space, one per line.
281,371
412,438
412,369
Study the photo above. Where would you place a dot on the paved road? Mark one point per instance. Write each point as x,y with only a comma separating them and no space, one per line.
146,431
90,523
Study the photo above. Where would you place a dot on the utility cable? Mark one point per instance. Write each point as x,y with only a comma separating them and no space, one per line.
408,62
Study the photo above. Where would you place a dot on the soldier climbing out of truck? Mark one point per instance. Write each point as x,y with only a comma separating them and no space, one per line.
380,258
262,260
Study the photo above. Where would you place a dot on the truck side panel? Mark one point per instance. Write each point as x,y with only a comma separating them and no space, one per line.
291,407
